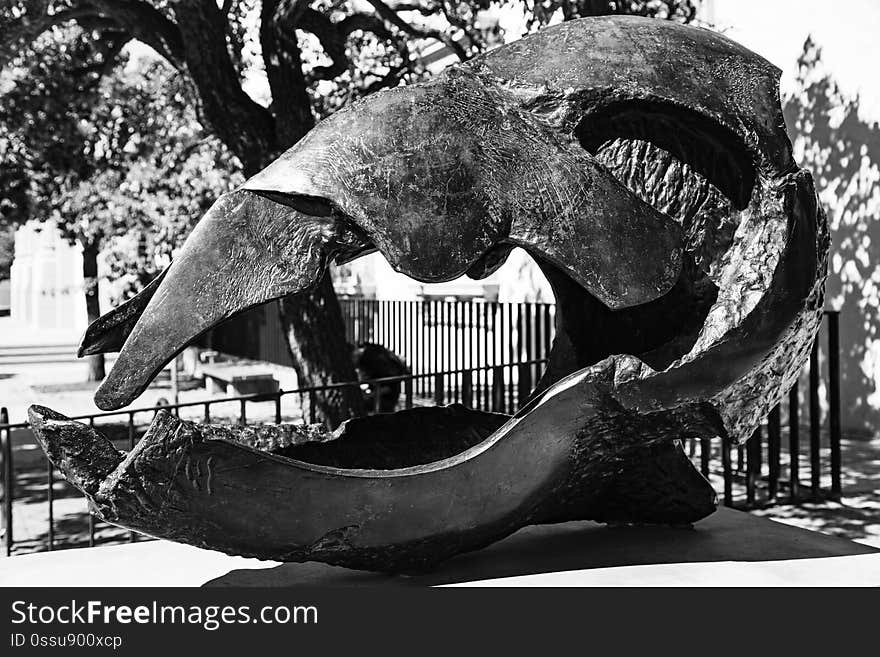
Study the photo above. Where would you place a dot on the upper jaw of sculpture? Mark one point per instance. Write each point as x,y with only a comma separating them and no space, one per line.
660,331
400,173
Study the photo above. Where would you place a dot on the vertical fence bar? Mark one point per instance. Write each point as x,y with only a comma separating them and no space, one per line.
132,536
511,354
398,327
727,471
794,443
705,454
470,325
313,407
458,362
389,323
413,335
8,481
815,426
487,383
753,466
435,338
131,436
497,387
438,389
89,506
207,413
423,363
408,392
548,331
500,349
278,409
242,410
447,336
467,391
529,347
392,325
405,328
774,440
539,334
524,384
498,384
759,454
50,498
834,399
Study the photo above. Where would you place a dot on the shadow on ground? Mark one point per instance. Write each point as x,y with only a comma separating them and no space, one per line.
724,536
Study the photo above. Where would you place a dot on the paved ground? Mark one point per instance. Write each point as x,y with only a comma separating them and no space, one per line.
61,385
857,515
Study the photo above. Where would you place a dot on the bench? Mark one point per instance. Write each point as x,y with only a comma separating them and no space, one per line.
236,380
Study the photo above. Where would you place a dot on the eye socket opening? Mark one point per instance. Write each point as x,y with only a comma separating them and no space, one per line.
710,149
314,206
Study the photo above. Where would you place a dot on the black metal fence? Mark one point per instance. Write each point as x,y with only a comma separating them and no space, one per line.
432,335
773,466
486,356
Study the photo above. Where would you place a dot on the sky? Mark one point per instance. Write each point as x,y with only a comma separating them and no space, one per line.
847,31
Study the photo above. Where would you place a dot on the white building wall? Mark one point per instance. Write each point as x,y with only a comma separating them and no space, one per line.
46,279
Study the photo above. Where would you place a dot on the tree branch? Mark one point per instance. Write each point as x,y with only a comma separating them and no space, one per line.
388,14
243,125
138,18
390,79
290,100
147,24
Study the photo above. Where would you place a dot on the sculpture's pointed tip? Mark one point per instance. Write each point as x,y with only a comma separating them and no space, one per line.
84,456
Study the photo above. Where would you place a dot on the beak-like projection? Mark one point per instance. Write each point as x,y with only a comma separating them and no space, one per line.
645,167
245,251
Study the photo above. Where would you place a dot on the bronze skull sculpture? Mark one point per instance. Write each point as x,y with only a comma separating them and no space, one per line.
645,167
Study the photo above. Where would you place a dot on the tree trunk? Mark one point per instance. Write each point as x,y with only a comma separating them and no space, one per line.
312,322
316,336
93,304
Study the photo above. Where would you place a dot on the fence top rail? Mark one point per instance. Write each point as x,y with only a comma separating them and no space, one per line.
271,396
346,298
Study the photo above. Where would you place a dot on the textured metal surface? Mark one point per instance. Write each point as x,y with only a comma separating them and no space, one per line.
643,164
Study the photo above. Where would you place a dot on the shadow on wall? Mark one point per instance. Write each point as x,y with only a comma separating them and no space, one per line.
843,152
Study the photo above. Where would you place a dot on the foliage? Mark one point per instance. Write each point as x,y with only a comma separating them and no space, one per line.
7,241
166,173
843,152
125,154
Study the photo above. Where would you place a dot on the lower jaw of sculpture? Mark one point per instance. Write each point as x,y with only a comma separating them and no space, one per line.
398,492
402,492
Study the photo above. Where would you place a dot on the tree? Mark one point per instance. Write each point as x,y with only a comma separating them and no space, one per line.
124,152
842,150
314,56
38,162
